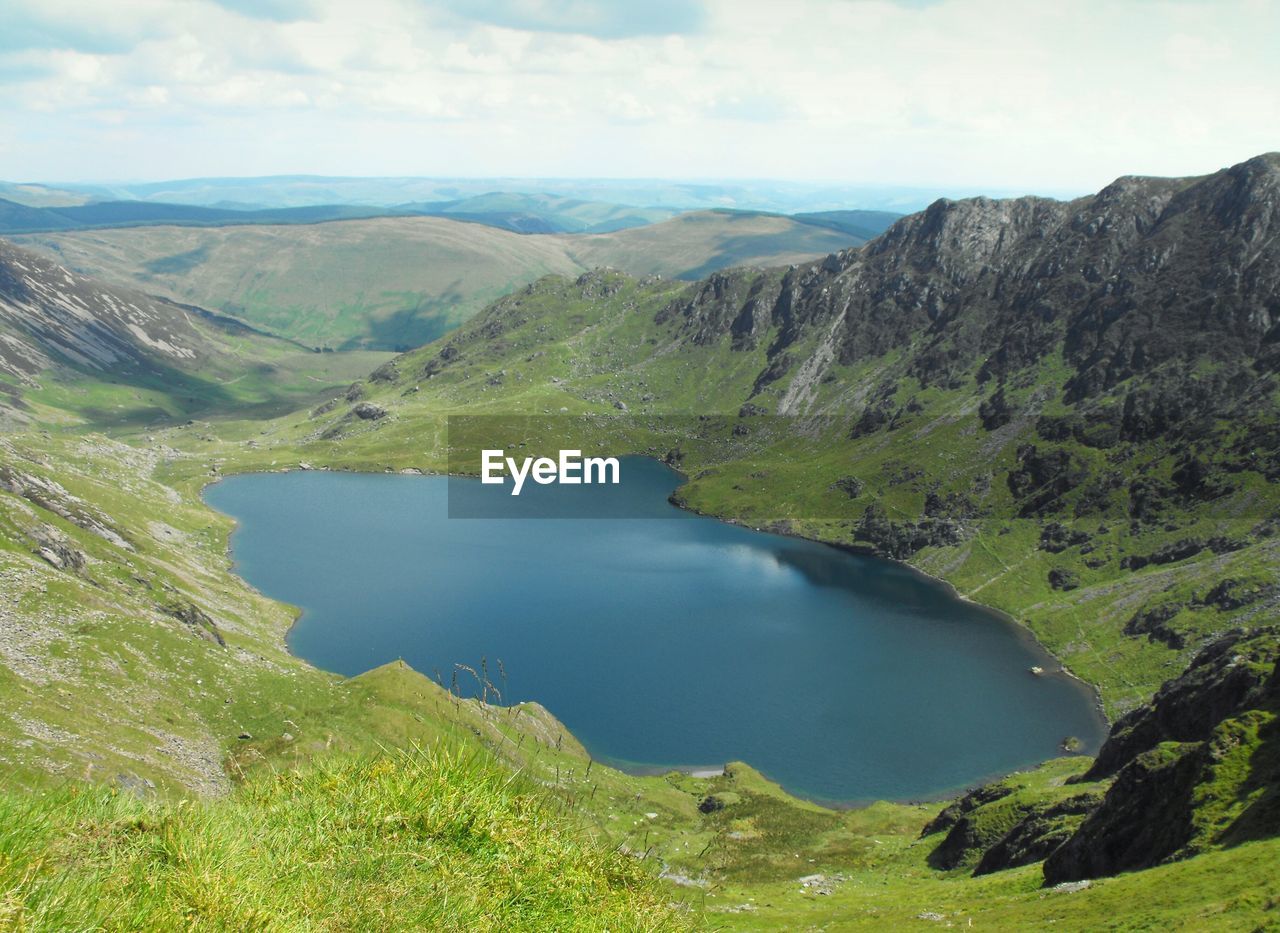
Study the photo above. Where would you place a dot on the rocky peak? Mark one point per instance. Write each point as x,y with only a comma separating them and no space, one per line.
1146,272
959,238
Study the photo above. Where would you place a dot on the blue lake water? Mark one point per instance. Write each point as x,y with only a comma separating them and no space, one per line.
669,641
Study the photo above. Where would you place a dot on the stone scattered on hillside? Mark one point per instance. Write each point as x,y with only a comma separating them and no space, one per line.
367,411
56,549
196,619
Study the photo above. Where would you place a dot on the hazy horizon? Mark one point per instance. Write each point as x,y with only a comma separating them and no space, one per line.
968,94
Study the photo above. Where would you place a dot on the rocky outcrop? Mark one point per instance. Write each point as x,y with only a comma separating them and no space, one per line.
1178,799
999,826
56,549
1228,676
195,619
1037,834
50,495
1197,767
953,813
900,540
972,835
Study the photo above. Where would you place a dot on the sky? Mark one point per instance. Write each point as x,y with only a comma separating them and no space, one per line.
1059,96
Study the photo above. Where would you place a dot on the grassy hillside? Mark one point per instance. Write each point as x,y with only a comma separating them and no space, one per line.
435,839
255,379
400,282
448,840
75,350
377,283
696,244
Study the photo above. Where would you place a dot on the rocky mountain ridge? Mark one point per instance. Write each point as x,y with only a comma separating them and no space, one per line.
1148,271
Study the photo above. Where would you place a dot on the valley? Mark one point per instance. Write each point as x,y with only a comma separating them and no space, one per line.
397,282
1068,411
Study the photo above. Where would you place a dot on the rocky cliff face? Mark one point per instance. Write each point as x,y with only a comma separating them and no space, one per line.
1146,272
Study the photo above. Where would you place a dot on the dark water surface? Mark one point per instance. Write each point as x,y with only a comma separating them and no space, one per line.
660,642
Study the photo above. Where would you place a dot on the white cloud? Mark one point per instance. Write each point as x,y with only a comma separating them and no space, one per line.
961,92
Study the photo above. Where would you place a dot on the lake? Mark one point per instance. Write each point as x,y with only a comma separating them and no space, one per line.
663,641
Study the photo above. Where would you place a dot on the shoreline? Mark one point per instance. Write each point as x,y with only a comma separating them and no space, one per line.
857,550
1022,630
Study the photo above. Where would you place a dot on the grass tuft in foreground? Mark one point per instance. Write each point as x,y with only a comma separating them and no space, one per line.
427,838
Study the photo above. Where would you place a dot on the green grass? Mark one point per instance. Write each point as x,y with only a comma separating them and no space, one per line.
255,379
123,690
1233,889
430,838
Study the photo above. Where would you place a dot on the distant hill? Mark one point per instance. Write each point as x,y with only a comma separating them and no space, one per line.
32,195
544,213
865,224
519,213
773,196
398,282
696,244
116,355
382,283
514,211
20,218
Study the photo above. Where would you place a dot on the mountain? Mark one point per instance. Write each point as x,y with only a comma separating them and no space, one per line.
1051,405
1068,411
773,196
18,218
398,282
75,343
543,213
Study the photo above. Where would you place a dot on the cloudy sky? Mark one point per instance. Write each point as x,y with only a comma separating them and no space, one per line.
1048,96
